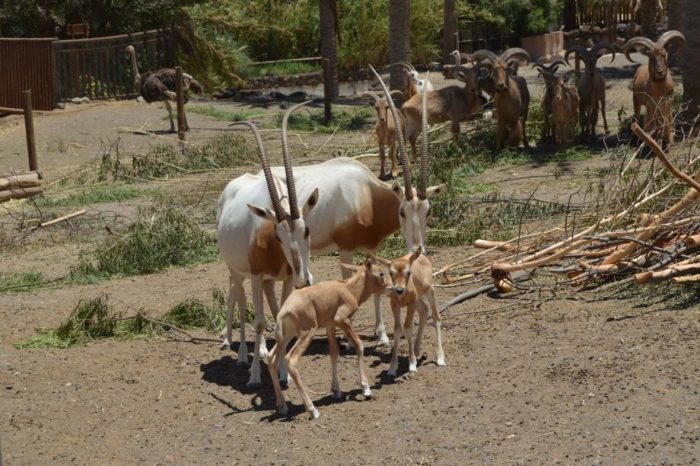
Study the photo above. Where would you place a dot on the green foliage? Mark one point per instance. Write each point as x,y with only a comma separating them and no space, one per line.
16,282
95,194
357,118
284,68
223,115
165,238
516,17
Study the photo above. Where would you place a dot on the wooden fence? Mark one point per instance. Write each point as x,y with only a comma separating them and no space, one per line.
97,68
474,35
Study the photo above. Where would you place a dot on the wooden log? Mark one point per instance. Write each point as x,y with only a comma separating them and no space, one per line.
687,279
19,193
327,91
180,98
673,271
692,241
20,181
499,245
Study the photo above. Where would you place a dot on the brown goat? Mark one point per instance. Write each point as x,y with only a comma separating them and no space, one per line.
591,87
551,69
509,96
385,129
565,101
451,103
652,84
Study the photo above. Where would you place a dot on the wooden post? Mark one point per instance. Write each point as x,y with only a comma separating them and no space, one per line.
327,91
180,97
29,130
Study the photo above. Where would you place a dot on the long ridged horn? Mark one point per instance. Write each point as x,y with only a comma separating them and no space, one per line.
513,53
271,187
408,190
372,94
600,46
579,49
670,36
485,55
291,188
423,180
645,42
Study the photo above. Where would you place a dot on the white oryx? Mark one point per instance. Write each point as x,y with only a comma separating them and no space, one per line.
262,244
356,211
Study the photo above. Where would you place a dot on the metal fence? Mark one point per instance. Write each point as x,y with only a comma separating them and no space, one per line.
97,68
474,35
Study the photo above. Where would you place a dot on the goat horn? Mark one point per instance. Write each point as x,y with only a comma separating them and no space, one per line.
580,50
423,180
397,93
485,55
271,187
566,76
291,189
513,53
598,47
669,36
634,42
408,190
371,94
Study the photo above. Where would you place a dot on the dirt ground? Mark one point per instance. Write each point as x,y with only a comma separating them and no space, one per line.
585,380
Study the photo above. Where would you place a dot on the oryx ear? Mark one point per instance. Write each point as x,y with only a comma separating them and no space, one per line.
397,189
263,213
310,202
349,267
381,260
415,255
435,190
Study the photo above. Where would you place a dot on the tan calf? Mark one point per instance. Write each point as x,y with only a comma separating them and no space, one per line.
328,305
412,286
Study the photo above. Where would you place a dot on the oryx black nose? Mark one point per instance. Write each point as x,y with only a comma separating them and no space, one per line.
399,290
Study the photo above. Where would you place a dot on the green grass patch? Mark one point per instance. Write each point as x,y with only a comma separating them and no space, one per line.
283,69
357,118
16,282
224,115
96,194
166,238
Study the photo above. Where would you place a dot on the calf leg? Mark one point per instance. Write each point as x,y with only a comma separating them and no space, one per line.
346,325
430,296
408,330
394,365
333,350
274,359
303,341
269,289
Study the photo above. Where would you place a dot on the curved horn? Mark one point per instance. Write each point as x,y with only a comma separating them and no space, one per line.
408,191
548,75
513,53
398,93
669,36
271,187
485,55
371,94
579,49
291,189
457,56
566,76
600,46
423,179
407,66
645,42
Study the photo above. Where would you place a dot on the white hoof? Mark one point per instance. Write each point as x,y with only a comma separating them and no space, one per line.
412,367
314,413
441,361
242,355
367,392
285,380
255,380
392,371
384,340
225,345
283,410
263,352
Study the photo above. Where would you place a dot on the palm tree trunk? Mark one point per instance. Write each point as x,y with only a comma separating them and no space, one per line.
399,41
647,18
449,30
675,20
691,57
328,14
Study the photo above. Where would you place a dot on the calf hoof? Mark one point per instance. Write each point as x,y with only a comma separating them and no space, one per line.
412,367
441,361
314,414
384,340
367,392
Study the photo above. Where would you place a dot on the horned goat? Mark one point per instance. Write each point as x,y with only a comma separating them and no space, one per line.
591,87
385,130
652,84
261,244
565,101
548,70
412,287
452,103
415,85
511,97
328,305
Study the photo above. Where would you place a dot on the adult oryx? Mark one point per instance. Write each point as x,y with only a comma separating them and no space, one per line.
263,236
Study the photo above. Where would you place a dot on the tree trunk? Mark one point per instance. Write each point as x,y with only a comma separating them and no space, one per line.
328,25
675,20
691,57
399,41
450,29
647,18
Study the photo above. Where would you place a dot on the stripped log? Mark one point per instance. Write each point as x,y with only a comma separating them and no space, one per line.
692,241
673,271
25,180
687,279
19,193
498,245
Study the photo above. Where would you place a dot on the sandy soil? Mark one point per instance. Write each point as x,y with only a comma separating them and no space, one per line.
590,380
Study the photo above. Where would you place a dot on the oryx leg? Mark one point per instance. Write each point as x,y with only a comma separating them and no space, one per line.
269,289
260,350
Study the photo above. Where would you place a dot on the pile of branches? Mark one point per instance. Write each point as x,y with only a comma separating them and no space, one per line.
650,236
